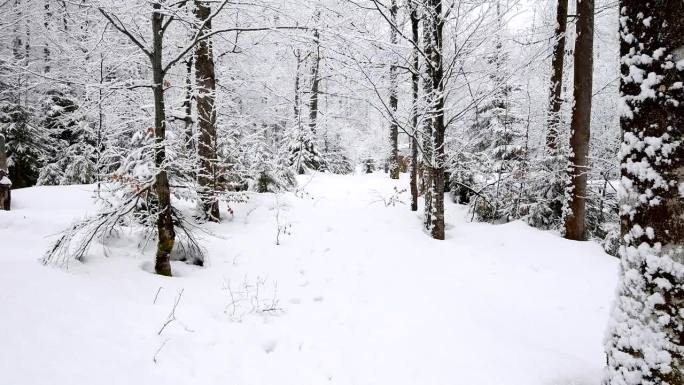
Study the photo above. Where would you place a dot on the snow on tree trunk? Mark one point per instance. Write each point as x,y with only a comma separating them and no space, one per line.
415,79
575,227
428,123
206,116
436,71
645,341
5,183
315,86
393,99
187,105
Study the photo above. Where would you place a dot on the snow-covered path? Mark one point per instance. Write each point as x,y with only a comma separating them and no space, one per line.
356,293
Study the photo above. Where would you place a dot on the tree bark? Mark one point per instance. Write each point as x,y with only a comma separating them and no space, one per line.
5,183
393,99
428,122
165,228
557,63
415,79
437,111
297,91
575,227
315,85
187,105
645,342
46,47
206,114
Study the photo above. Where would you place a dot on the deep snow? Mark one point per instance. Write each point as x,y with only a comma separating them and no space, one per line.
357,293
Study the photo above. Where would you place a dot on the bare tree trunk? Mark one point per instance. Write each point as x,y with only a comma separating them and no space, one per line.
645,342
46,47
435,22
5,183
297,91
428,147
187,105
575,227
437,73
315,86
555,89
297,162
393,100
165,229
415,79
206,116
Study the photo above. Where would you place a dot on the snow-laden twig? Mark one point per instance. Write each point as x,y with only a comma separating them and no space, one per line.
172,315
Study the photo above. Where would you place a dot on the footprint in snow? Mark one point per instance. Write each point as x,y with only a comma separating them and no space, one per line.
269,346
295,301
318,299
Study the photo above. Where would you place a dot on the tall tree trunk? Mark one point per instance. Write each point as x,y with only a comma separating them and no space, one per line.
187,105
297,162
428,119
100,126
645,342
415,79
315,88
46,47
393,99
555,89
206,116
5,183
297,91
165,229
436,73
575,227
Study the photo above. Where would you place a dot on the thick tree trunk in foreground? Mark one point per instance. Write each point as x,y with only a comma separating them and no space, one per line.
165,229
415,79
5,183
575,227
645,342
206,114
393,99
555,89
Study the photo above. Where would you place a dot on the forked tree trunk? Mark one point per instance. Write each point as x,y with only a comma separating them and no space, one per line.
206,114
5,182
165,229
575,227
555,89
415,79
645,342
393,99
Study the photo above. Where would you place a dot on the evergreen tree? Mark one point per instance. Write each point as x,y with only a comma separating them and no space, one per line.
491,167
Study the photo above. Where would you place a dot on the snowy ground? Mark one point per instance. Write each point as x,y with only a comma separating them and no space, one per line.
355,294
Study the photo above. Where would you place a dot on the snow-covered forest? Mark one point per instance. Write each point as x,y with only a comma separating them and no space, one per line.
342,192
